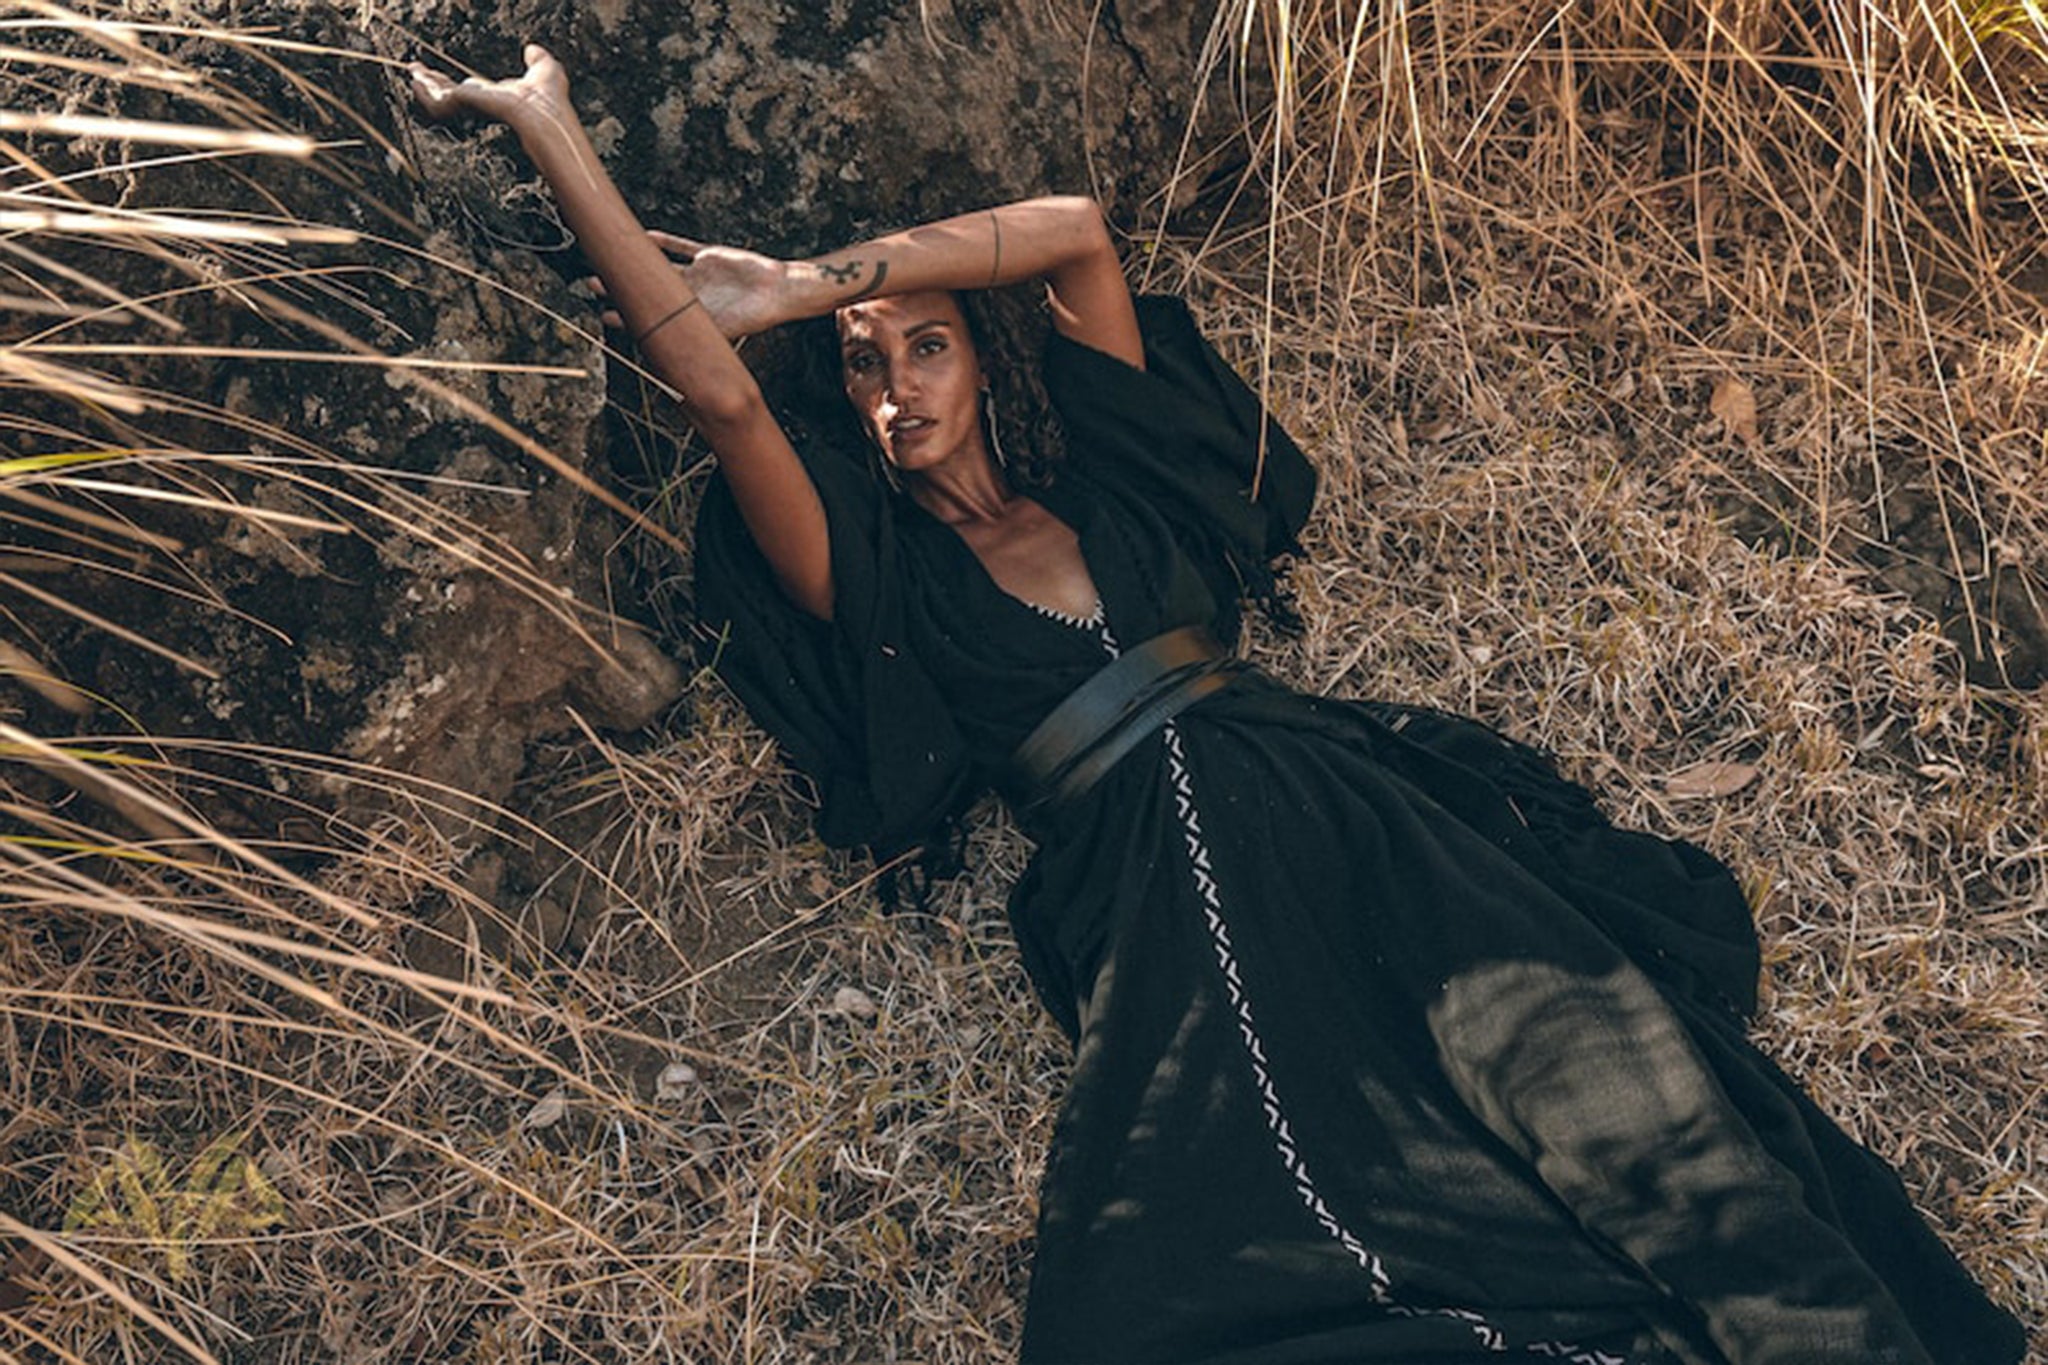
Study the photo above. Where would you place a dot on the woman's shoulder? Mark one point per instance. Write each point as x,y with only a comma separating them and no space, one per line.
1185,379
1165,323
1187,430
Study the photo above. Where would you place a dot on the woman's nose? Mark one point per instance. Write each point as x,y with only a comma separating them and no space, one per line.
898,386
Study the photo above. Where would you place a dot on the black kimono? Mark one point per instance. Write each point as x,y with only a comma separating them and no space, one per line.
1388,1046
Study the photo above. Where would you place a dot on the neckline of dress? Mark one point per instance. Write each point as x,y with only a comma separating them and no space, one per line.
1097,617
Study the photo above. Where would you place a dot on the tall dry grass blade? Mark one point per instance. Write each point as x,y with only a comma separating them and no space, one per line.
150,77
70,607
168,227
79,386
54,1248
12,490
165,134
188,825
267,354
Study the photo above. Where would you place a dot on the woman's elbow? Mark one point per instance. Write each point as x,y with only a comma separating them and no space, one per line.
727,407
1083,222
1080,207
813,598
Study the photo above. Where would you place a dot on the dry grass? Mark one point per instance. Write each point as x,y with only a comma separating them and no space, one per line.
1493,266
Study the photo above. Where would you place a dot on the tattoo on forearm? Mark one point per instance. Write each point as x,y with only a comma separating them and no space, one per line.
995,267
850,272
874,285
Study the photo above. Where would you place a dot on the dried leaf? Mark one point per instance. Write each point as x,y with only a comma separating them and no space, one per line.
1710,780
1734,402
549,1111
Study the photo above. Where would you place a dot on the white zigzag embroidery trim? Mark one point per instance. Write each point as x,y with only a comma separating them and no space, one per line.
1199,865
1094,620
1255,1051
1575,1355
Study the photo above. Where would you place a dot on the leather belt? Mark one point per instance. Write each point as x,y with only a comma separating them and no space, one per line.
1105,718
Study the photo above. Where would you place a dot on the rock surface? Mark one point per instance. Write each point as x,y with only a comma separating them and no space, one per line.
793,128
455,601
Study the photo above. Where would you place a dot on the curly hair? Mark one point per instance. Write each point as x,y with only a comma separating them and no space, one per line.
799,371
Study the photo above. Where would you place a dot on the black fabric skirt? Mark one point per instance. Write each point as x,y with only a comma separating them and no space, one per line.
1391,1048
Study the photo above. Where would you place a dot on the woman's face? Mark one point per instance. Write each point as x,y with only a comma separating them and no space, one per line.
912,374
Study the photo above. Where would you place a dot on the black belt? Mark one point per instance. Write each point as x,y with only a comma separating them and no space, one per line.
1104,718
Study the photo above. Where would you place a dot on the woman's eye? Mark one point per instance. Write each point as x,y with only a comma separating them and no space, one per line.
931,346
859,364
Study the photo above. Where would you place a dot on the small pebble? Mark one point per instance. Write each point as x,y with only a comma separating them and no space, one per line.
853,1002
677,1081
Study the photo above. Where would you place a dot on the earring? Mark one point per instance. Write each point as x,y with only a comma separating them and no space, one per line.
995,435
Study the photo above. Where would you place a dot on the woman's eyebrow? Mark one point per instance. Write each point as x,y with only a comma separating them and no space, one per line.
914,330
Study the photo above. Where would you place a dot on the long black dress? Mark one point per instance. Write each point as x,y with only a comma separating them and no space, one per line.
1388,1046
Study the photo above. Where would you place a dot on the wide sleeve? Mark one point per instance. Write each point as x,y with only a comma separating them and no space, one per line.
1190,435
846,699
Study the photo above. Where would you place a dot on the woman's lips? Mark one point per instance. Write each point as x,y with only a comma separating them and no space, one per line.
910,429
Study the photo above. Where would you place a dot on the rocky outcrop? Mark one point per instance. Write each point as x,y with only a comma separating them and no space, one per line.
793,128
424,577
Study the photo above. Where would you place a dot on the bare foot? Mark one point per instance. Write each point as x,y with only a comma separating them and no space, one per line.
538,98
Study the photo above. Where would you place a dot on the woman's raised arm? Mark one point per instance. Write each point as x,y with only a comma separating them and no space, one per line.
1060,239
678,338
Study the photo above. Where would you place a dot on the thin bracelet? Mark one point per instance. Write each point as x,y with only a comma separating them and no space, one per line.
666,318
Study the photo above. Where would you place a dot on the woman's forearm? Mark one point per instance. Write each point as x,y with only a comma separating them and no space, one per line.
678,341
1030,239
1060,239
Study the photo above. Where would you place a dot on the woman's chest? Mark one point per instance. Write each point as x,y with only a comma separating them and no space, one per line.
1110,574
1035,557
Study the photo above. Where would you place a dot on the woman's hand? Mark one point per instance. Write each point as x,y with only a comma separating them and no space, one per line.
530,103
744,292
